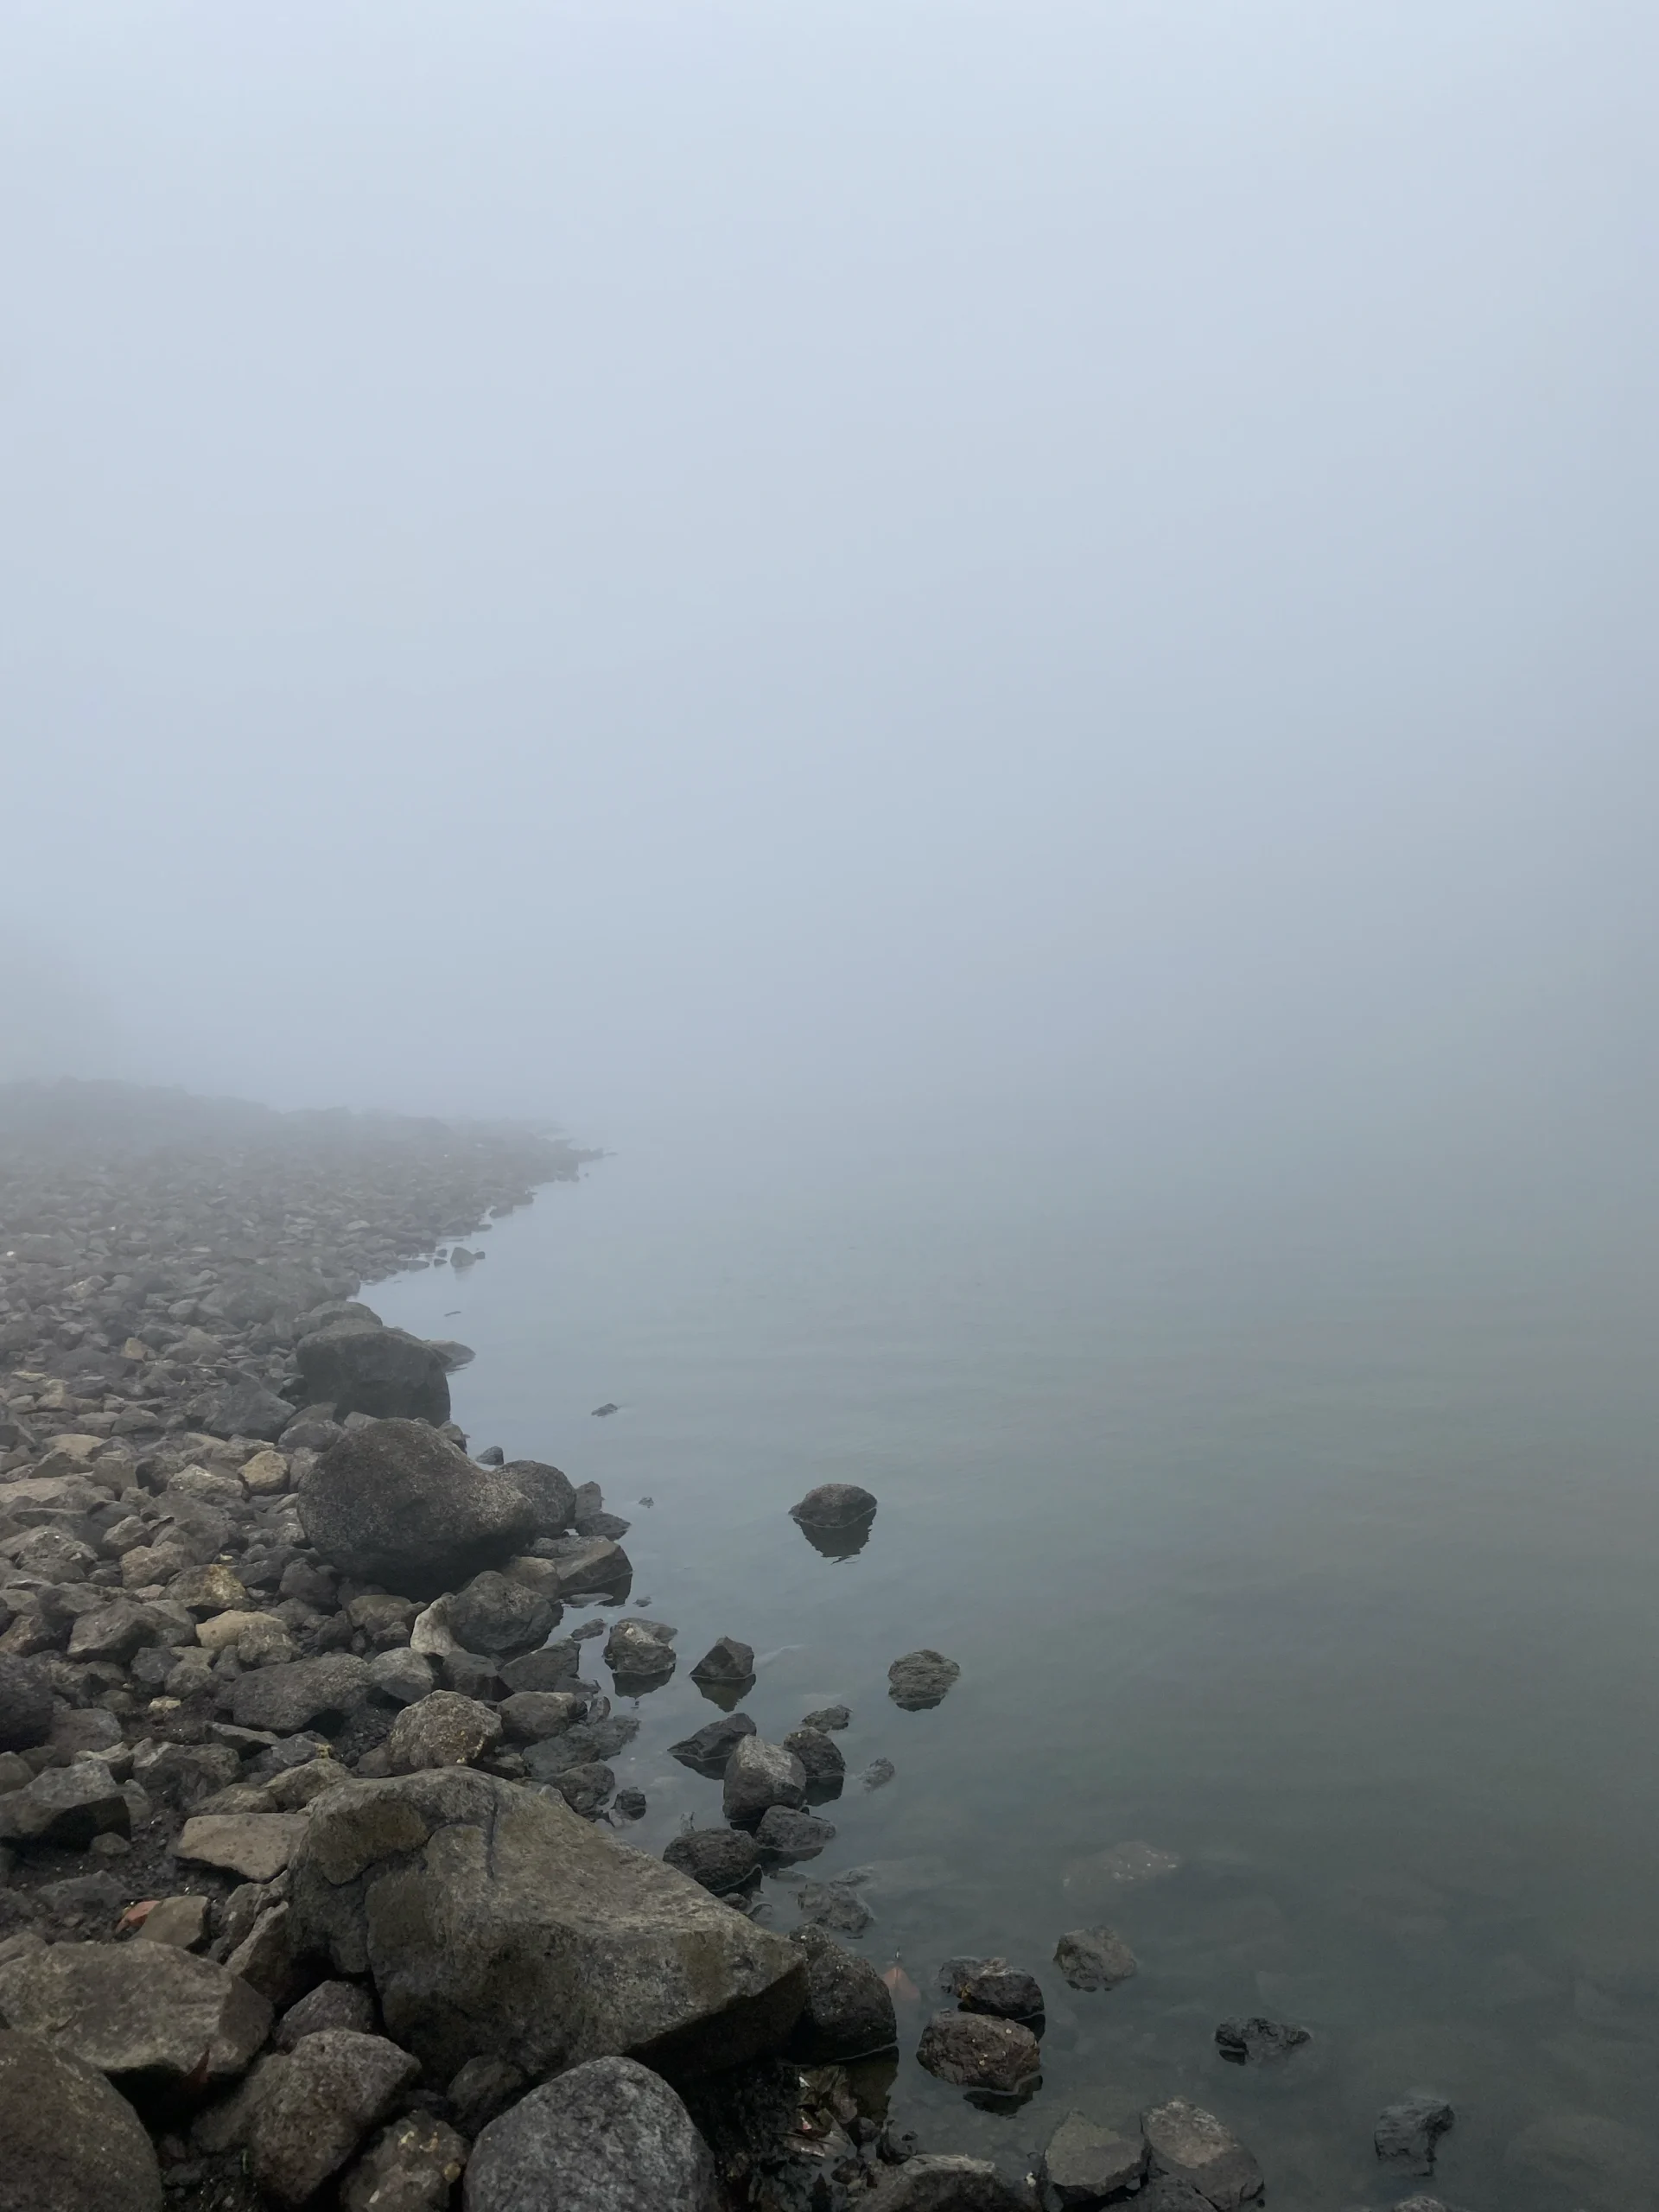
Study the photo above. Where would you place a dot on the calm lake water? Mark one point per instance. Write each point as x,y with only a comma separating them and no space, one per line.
1316,1548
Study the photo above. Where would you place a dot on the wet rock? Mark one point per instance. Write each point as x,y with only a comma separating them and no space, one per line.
629,1805
1257,2041
442,1730
848,2011
404,1676
1164,2193
1406,2134
585,1787
1125,1866
284,1699
833,1905
726,1661
411,2166
609,2136
153,2018
833,1505
920,1679
977,2052
1582,2158
66,1807
718,1860
72,2144
255,1846
709,1751
330,2004
576,1747
821,1757
829,1717
948,2184
528,1895
395,1502
877,1774
992,1986
531,1716
382,1372
758,1775
638,1651
302,2113
498,1616
787,1835
1190,2144
1094,1958
1085,2165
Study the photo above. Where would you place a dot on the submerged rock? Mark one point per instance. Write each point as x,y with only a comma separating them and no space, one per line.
1085,2165
1094,1958
609,2136
920,1679
833,1904
948,2184
1190,2144
395,1502
1406,2133
1257,2041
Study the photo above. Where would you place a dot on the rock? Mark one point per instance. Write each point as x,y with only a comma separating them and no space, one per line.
265,1475
151,2016
303,2114
255,1846
244,1406
1094,1958
1084,2164
285,1699
72,2144
182,1920
402,1675
758,1775
1256,2041
484,1912
1582,2158
25,1702
829,1717
483,2088
877,1774
825,1767
178,1774
470,1675
1121,1867
833,1505
395,1502
442,1730
993,1985
831,1905
66,1806
727,1660
639,1651
330,2004
848,2011
920,1679
591,1564
609,2136
709,1752
411,2166
551,1494
553,1668
784,1833
1190,2144
496,1614
979,2053
113,1631
1406,2133
585,1786
948,2184
1164,2193
385,1373
717,1859
531,1716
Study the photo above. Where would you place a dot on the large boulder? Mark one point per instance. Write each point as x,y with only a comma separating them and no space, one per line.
551,1493
361,1368
609,2136
153,2018
395,1502
72,2144
495,1922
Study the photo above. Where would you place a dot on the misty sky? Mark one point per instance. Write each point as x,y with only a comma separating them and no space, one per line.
1083,565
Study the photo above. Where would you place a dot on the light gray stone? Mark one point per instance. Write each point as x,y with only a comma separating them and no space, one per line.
759,1775
149,2016
1191,2144
609,2136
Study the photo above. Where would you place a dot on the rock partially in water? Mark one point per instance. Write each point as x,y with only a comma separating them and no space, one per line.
877,1774
531,1716
640,1651
718,1860
395,1503
609,2136
1257,2041
848,2011
834,1906
1085,2165
992,1986
555,1666
829,1717
354,1368
728,1660
758,1775
1125,1866
551,1494
977,2052
822,1759
709,1752
1406,2134
1190,2144
72,2144
1094,1958
835,1519
920,1679
948,2183
789,1836
496,1614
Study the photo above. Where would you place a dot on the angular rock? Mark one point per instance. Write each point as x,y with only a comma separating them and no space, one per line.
848,2011
442,1730
411,2166
993,1985
920,1679
708,1751
977,2052
25,1702
638,1651
589,1564
255,1846
303,2114
385,1373
244,1406
395,1502
330,2004
182,1920
717,1859
531,1716
820,1756
154,2018
1190,2144
1406,2133
551,1494
783,1834
833,1505
66,1806
758,1775
72,2143
827,1717
497,1615
727,1660
483,2088
285,1699
553,1668
1094,1958
585,1787
948,2184
1085,2165
495,1921
832,1904
402,1675
609,2136
1257,2041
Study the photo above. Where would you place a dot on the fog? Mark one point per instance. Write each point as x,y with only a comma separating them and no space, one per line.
912,574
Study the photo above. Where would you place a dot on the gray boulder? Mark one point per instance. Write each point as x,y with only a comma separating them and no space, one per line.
552,1496
759,1775
848,2011
25,1702
330,2004
833,1505
243,1407
609,2136
531,1716
386,1373
285,1699
726,1661
1094,1958
497,1614
1190,2144
977,2052
442,1730
395,1502
552,1667
302,2114
72,2144
66,1807
153,2018
717,1859
1085,2164
822,1757
403,1675
784,1833
493,1921
920,1679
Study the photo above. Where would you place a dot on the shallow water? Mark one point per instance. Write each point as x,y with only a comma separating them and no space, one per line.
1316,1548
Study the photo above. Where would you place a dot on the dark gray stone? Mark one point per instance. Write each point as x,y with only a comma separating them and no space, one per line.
1406,2133
827,1717
848,2011
411,2166
553,1668
1085,2165
286,1698
718,1860
66,1807
758,1775
1256,2041
920,1679
72,2143
977,2052
787,1835
833,1505
609,2136
948,2183
820,1756
153,2018
244,1406
727,1660
385,1373
709,1749
1094,1958
993,1985
832,1904
496,1614
395,1502
330,2004
1190,2144
302,2113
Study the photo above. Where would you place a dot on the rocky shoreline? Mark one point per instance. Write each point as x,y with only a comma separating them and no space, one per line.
314,1882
